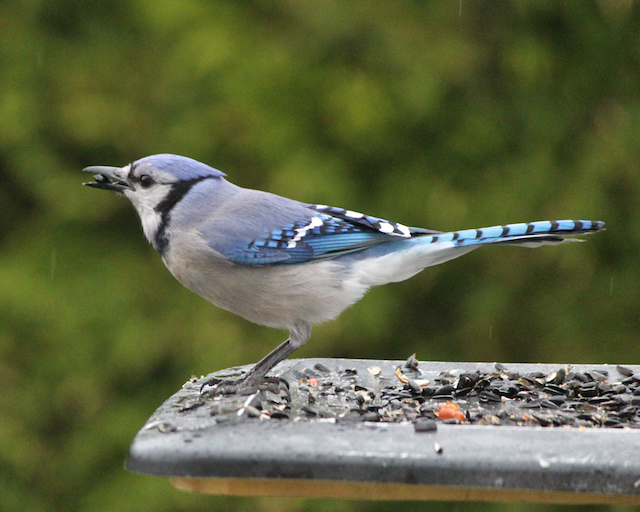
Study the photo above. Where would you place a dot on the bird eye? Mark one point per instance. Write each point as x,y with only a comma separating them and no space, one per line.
146,181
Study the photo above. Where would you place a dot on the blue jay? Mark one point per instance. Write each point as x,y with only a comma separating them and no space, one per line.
282,263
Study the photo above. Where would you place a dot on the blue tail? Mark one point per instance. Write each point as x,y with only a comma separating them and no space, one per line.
528,234
399,259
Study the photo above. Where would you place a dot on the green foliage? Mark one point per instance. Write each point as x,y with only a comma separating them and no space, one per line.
438,114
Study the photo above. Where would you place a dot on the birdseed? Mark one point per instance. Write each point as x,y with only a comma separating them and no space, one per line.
389,392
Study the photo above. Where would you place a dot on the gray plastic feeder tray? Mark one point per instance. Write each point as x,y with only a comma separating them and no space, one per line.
352,429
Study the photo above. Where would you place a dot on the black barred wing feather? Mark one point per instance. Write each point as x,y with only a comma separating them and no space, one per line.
331,233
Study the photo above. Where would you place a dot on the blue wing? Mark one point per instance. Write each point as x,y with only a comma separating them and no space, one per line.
331,232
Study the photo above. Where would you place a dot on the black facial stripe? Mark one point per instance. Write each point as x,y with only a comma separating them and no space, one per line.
177,192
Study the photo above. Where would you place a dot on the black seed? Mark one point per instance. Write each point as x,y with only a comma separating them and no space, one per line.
623,370
428,391
463,392
543,421
370,416
557,399
526,381
489,396
628,411
582,377
596,375
553,389
321,368
298,374
447,389
604,388
588,392
622,399
599,400
400,393
308,372
557,377
442,398
467,380
411,362
425,425
548,404
508,390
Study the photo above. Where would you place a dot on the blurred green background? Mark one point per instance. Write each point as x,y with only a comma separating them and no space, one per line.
450,114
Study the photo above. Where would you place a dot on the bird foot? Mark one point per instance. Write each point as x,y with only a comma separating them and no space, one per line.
243,386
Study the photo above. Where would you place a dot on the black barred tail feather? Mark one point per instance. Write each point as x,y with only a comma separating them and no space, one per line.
528,234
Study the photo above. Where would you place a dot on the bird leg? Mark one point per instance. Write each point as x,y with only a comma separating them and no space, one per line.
256,377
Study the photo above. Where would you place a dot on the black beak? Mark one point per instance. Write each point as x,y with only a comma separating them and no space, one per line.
107,178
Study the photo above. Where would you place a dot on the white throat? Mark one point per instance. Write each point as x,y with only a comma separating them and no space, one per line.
145,203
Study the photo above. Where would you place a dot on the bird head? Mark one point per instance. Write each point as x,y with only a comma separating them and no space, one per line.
154,184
